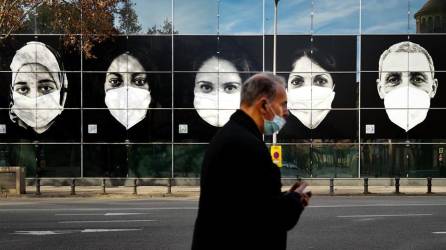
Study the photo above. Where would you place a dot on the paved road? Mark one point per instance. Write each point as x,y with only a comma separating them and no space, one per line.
329,223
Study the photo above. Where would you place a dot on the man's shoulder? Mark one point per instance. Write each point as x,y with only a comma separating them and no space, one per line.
232,132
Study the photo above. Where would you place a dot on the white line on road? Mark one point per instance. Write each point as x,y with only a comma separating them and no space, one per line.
378,205
104,221
98,209
380,215
119,214
439,232
106,214
109,230
98,230
46,232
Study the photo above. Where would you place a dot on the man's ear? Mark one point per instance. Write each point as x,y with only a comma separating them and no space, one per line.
379,88
434,88
261,103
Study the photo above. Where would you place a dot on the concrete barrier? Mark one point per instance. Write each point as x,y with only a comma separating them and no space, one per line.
12,179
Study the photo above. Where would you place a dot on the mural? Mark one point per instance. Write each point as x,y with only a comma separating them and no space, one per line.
406,83
321,86
217,95
311,88
127,93
133,106
38,87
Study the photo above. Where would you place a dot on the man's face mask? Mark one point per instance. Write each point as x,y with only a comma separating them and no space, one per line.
37,112
407,107
275,125
128,105
310,104
217,95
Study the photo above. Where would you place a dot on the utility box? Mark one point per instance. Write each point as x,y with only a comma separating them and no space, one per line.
12,179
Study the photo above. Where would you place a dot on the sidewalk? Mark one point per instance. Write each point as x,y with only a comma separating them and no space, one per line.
193,192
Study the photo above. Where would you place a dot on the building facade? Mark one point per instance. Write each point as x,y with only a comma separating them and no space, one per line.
364,86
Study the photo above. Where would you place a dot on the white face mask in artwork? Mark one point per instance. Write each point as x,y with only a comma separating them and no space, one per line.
38,112
128,105
310,104
407,106
216,111
217,91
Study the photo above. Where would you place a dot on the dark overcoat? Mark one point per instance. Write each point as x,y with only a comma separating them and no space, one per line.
241,203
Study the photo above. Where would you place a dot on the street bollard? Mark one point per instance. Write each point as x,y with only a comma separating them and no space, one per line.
103,186
169,186
331,186
135,185
298,179
429,185
366,185
73,186
38,187
397,185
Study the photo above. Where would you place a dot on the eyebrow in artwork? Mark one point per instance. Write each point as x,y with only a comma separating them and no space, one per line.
20,83
205,82
46,81
422,74
136,75
116,74
392,75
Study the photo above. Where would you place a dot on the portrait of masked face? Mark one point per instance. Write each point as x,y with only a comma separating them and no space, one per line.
310,92
38,87
217,91
127,92
406,83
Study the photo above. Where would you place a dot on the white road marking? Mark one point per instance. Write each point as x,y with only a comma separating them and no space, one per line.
439,232
97,230
378,205
106,214
109,230
380,215
119,214
98,209
77,214
104,221
47,232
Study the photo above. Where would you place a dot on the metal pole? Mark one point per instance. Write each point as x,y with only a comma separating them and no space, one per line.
135,185
429,185
38,186
366,185
103,186
276,2
331,186
73,186
169,186
397,185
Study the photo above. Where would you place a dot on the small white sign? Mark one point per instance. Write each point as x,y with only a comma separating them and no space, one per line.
182,129
440,150
2,128
92,128
370,128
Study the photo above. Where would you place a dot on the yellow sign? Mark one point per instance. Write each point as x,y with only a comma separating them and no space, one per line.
276,154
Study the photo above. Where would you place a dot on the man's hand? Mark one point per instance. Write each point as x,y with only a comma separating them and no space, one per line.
299,188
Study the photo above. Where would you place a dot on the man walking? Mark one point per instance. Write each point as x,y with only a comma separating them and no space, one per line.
241,204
